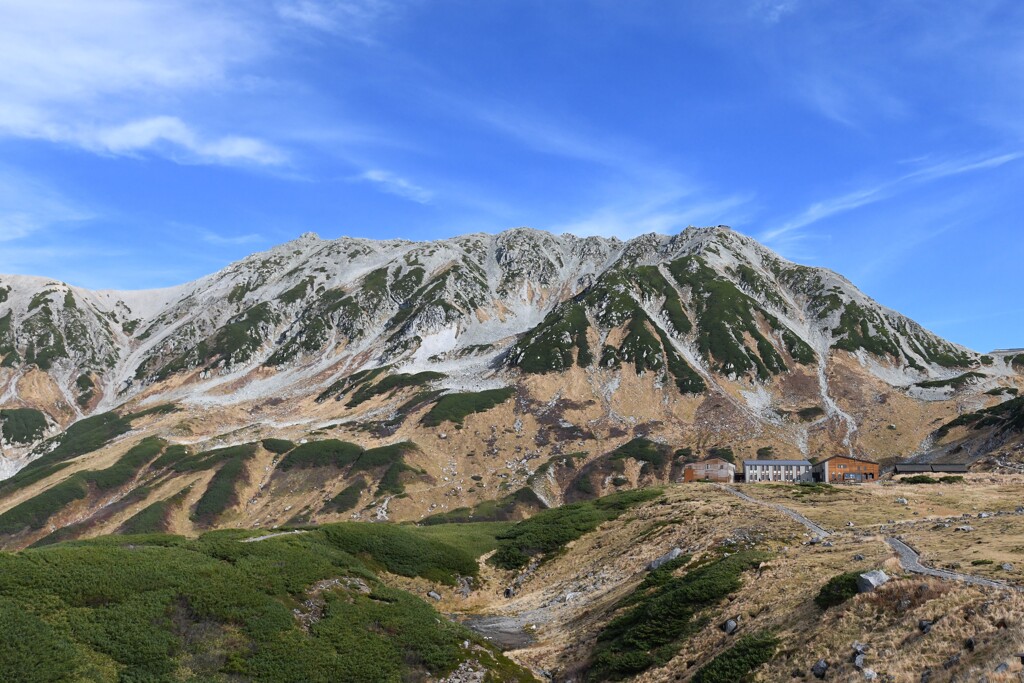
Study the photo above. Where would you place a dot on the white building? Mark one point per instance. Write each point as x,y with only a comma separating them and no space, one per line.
777,470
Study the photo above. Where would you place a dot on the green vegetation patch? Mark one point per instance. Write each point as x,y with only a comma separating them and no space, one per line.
740,660
392,383
278,446
957,382
34,513
403,550
659,616
326,453
726,316
162,608
837,590
347,499
548,531
221,493
455,407
513,506
22,425
153,518
1005,417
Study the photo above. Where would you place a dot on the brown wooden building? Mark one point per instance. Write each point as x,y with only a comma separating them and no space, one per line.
712,469
846,469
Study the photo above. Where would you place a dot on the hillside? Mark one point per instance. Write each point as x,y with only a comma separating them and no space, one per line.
495,374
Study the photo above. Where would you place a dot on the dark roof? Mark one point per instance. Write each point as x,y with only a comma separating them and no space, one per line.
902,468
948,467
848,457
906,468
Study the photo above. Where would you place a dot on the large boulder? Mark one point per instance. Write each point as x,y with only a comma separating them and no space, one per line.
667,557
869,581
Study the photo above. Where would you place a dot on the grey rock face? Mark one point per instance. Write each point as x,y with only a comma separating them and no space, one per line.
667,557
871,580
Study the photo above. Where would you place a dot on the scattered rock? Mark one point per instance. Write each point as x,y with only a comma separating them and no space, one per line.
965,527
826,544
849,524
901,501
858,661
926,676
984,515
433,595
951,662
858,558
667,557
871,580
970,644
925,625
869,674
1002,668
859,648
1006,567
819,669
730,626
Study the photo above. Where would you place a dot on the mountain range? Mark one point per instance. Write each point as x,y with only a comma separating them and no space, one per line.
518,369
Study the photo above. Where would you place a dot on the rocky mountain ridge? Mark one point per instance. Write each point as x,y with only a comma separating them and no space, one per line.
547,355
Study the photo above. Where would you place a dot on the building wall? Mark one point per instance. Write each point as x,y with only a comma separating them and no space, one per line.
714,470
840,470
791,473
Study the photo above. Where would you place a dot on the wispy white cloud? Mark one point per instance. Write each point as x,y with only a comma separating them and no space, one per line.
663,213
211,237
397,185
355,19
28,207
772,11
875,193
168,136
103,76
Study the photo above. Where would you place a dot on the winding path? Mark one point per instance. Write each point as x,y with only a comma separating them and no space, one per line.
910,559
818,531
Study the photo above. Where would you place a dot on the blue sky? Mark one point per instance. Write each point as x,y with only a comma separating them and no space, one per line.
146,143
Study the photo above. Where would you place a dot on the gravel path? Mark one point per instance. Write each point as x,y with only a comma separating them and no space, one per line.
910,559
815,529
277,535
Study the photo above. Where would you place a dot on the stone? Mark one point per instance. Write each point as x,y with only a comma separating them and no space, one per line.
858,661
869,581
667,557
869,674
826,544
858,558
983,515
1002,668
926,676
970,644
730,626
1006,567
965,527
1020,509
925,625
859,648
951,662
819,669
433,595
901,501
849,524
